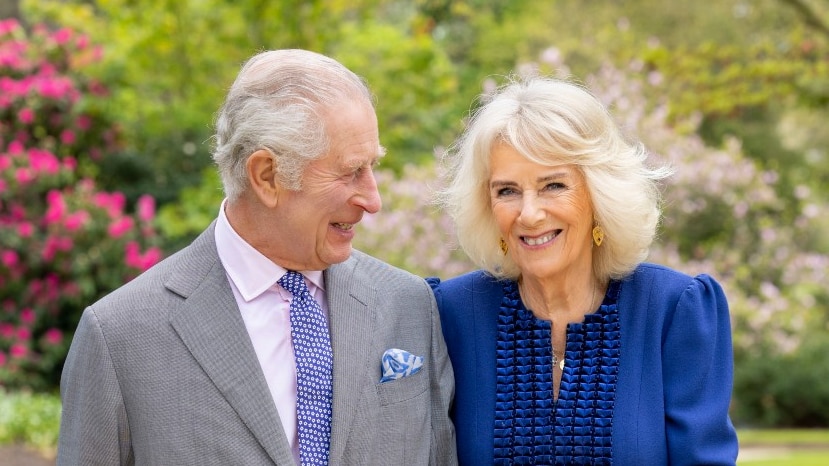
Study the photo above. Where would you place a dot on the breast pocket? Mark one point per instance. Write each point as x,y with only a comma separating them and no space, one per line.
402,389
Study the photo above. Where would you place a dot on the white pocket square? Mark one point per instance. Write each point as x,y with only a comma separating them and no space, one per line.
397,363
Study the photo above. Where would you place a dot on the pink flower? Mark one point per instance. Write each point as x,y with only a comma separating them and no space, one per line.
27,315
44,161
118,201
62,36
84,122
25,229
64,243
2,359
151,257
76,220
53,336
112,202
134,258
8,26
26,115
57,207
23,175
82,41
5,162
132,254
24,334
18,351
120,226
15,147
6,330
53,245
18,212
50,248
35,287
70,289
67,137
56,88
146,208
9,258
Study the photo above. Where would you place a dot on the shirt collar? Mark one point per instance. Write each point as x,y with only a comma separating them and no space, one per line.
250,270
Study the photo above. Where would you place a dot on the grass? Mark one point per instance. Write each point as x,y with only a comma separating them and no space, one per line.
788,458
30,419
787,437
783,447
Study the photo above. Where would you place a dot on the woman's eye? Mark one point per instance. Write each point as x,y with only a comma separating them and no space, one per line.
554,186
502,192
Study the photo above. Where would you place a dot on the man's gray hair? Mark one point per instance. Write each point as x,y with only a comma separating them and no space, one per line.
277,103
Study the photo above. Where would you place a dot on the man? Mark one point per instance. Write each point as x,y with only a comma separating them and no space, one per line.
192,363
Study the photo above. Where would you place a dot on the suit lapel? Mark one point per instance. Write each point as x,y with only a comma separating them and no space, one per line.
210,325
351,317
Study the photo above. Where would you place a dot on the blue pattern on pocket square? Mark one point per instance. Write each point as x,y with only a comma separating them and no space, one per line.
397,364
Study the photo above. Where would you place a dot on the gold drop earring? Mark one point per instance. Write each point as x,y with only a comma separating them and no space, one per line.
598,235
503,245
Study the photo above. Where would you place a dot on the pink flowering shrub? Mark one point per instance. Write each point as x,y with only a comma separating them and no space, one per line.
63,243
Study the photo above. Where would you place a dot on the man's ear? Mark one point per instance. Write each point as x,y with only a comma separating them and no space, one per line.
261,170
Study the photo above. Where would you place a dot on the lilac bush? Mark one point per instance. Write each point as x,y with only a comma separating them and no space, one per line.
410,231
63,243
725,216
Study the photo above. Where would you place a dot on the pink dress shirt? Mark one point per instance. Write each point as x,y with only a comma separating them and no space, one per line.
264,306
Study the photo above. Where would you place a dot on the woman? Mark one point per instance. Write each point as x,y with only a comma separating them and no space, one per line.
567,348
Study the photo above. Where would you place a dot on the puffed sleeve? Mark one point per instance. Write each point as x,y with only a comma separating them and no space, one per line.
698,371
93,428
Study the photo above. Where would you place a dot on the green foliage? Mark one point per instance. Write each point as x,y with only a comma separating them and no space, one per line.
198,205
784,390
414,83
31,419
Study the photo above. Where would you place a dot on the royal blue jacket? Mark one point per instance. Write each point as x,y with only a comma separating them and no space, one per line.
675,370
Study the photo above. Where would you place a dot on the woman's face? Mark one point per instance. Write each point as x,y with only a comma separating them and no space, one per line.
543,212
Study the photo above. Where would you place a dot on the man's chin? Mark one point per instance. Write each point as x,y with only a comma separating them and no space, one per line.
340,254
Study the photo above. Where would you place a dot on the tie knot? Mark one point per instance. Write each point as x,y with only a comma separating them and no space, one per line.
294,282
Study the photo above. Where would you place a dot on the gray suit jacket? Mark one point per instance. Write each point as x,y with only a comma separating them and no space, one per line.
163,372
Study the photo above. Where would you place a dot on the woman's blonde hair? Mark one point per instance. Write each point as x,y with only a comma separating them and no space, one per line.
554,122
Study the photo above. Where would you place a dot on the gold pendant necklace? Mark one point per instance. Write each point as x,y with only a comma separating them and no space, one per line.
558,361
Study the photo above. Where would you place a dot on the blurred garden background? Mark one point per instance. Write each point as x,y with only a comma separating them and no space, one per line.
106,110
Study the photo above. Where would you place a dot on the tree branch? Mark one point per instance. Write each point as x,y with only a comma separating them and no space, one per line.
809,16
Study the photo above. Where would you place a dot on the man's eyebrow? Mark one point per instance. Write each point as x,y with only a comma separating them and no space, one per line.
355,164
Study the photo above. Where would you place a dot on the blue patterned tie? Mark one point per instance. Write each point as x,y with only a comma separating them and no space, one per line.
314,363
